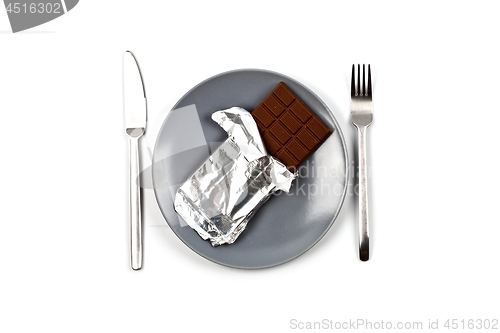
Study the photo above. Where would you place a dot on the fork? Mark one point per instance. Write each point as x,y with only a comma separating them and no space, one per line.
361,118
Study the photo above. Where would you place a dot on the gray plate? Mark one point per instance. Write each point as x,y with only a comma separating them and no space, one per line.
287,225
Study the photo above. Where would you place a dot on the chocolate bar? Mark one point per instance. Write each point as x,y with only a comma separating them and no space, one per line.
290,130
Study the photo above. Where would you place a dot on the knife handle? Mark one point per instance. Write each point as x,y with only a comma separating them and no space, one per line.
135,206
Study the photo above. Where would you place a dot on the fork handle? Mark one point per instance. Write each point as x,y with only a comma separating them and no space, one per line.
135,206
364,244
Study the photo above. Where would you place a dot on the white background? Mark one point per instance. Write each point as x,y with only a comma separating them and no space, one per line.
433,151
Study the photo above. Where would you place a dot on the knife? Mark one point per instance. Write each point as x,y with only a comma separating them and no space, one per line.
135,107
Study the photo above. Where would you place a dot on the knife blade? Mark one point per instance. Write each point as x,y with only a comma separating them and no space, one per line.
135,109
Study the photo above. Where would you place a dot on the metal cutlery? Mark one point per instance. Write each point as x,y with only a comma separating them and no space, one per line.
135,108
361,117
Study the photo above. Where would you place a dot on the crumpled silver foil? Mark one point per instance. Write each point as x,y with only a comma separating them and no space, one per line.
219,199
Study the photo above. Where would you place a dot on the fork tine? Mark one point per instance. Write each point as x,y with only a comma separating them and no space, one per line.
358,90
369,92
363,89
353,83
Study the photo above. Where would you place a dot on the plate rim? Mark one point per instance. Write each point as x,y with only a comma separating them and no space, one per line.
342,139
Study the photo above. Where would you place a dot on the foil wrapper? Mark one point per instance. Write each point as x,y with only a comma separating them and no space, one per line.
221,196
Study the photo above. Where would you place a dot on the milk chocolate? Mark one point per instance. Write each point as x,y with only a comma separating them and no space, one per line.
290,130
